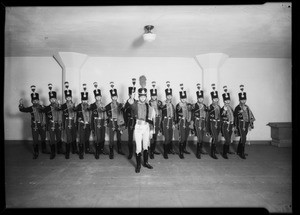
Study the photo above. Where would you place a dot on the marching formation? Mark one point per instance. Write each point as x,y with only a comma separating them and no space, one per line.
144,120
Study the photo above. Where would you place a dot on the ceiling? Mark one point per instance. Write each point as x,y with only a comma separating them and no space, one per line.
260,31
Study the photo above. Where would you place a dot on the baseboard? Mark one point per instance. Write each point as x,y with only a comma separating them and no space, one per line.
254,142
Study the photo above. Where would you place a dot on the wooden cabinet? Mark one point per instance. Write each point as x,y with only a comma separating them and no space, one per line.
281,133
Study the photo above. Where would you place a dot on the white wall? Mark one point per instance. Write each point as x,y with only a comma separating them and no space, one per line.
20,74
267,83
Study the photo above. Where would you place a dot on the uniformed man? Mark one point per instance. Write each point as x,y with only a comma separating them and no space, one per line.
115,121
69,121
144,116
214,121
38,123
183,119
199,120
129,118
157,105
98,122
227,119
84,119
54,122
243,121
168,121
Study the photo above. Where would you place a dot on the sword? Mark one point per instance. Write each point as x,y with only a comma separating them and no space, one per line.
168,123
70,125
35,126
53,125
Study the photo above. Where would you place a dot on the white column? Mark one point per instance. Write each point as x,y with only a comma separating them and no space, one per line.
210,64
71,63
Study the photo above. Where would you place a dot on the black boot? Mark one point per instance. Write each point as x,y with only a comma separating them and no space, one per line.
198,154
111,152
52,155
59,147
130,150
154,146
181,151
184,148
151,151
44,148
87,147
216,151
80,146
74,147
120,148
67,155
97,150
238,150
242,153
225,151
146,164
138,162
35,151
202,151
102,151
165,151
171,150
213,151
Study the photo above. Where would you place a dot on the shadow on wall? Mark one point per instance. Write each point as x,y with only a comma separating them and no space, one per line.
138,42
24,117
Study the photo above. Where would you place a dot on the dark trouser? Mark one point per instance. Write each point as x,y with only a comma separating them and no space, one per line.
157,129
113,127
243,130
71,137
154,138
55,132
167,124
84,135
130,134
183,130
227,132
70,130
99,131
157,124
215,127
183,136
200,126
38,130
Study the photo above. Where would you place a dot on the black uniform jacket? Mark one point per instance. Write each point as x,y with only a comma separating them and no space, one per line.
30,110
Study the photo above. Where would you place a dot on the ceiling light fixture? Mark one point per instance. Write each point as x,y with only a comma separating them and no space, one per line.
148,35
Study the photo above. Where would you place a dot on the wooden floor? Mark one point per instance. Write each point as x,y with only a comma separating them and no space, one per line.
262,180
